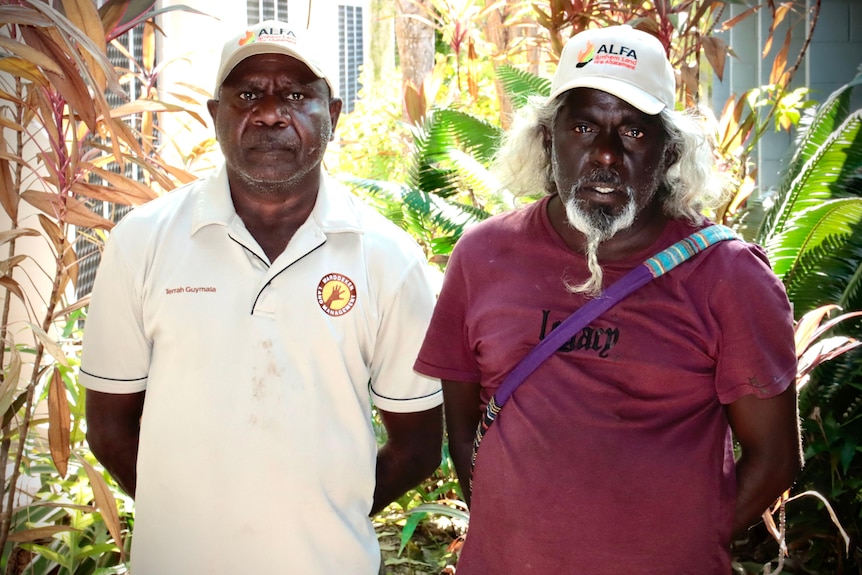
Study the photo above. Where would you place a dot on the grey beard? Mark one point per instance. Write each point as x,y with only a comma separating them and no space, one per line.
597,226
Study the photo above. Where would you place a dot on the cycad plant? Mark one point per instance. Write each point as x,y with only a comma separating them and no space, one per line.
448,184
813,233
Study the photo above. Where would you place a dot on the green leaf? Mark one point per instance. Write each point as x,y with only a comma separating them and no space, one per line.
409,528
521,85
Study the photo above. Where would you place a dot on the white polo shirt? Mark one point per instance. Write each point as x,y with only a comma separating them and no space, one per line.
257,453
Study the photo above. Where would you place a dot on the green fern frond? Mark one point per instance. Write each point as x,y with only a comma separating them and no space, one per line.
836,159
521,85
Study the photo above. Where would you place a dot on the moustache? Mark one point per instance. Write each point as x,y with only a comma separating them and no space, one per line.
609,178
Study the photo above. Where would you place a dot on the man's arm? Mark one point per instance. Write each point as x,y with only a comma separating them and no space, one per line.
411,453
768,433
462,418
113,429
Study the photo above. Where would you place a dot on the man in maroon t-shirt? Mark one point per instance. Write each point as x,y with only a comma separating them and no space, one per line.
616,454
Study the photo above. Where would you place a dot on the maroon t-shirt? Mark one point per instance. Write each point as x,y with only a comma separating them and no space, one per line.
615,456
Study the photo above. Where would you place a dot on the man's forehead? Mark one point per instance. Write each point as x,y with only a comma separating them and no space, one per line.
273,64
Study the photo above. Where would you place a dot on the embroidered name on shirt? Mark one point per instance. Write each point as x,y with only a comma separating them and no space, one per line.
189,289
336,294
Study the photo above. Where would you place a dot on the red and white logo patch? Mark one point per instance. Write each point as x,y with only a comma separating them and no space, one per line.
336,294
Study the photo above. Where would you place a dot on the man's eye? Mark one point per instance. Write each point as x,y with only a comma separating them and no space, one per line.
247,96
580,128
635,133
295,96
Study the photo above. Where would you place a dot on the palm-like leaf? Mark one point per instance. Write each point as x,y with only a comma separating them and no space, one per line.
813,235
819,253
520,85
829,153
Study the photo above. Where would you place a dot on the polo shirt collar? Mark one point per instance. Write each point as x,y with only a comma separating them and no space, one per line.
334,211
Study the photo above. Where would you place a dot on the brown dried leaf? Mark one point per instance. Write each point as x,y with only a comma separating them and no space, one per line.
715,50
37,533
4,95
414,103
11,379
6,266
148,45
70,84
66,209
31,54
22,68
85,16
106,503
130,187
183,176
80,304
111,13
144,105
106,194
12,286
728,24
10,235
779,65
51,347
59,423
53,231
8,193
70,267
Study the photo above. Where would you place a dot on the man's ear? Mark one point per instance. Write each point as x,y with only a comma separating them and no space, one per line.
212,108
335,105
547,139
671,155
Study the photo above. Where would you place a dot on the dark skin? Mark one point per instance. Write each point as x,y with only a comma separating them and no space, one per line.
596,131
273,120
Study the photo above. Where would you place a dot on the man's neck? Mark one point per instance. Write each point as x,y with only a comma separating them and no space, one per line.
273,213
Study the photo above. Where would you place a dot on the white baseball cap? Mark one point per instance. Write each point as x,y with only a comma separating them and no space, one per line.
620,60
270,37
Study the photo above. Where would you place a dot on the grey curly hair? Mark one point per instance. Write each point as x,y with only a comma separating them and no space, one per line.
693,182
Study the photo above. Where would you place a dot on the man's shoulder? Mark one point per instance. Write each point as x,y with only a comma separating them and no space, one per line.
732,258
512,224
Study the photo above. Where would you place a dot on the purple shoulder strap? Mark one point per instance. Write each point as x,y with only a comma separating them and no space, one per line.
657,265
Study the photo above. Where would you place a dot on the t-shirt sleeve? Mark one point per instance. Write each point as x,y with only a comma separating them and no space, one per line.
395,386
446,352
115,357
757,353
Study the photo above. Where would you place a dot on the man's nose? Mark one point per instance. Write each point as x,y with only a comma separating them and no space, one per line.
607,148
271,111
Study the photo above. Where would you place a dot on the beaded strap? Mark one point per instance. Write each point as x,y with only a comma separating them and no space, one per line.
659,264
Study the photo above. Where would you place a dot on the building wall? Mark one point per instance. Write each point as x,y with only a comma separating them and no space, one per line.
833,59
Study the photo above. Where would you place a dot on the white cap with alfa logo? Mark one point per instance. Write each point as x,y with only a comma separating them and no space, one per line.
270,37
620,60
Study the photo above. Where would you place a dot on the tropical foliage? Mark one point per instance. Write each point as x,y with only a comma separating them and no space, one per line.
814,239
63,153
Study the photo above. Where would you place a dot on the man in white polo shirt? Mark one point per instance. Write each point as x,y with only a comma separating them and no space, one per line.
241,328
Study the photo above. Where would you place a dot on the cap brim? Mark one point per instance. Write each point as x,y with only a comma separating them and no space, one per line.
265,48
623,90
